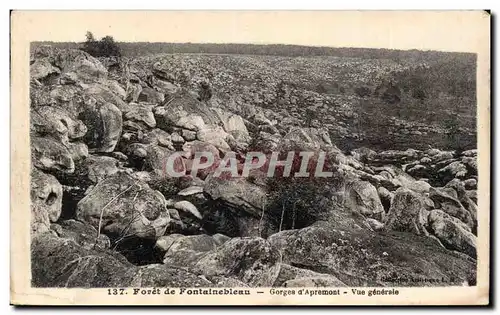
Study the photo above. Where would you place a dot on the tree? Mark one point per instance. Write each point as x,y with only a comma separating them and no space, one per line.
90,37
106,47
90,46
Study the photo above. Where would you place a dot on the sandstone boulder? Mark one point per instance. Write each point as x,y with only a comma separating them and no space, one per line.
158,137
123,206
237,194
142,114
82,234
85,67
358,257
61,262
362,197
46,201
445,201
407,213
51,155
186,250
104,123
100,167
57,122
453,233
251,260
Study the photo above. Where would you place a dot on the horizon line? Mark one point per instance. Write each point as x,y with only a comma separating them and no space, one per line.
264,44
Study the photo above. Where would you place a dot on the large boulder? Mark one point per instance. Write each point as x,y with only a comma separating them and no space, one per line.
133,92
157,275
266,142
418,171
78,151
142,114
233,125
186,250
42,69
123,206
236,194
445,200
104,123
453,233
362,197
81,233
251,260
363,154
470,163
62,262
154,158
57,122
359,257
115,88
158,137
166,87
104,94
51,155
406,181
463,197
151,96
199,147
65,96
46,201
407,213
76,62
453,170
186,112
99,167
187,207
436,155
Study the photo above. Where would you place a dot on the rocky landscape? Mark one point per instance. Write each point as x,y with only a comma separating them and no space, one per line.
105,213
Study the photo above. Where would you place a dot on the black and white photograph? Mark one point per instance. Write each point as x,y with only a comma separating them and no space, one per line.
221,167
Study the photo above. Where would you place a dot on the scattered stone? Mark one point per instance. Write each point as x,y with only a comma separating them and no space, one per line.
188,207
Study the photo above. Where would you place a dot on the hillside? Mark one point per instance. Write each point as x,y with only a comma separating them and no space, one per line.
345,95
144,171
344,87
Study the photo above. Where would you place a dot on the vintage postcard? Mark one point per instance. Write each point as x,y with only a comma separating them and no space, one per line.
250,157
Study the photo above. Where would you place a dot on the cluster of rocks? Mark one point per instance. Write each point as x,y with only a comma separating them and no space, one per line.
105,213
432,193
317,91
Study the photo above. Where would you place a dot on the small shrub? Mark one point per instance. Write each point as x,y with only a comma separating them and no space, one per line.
106,47
297,202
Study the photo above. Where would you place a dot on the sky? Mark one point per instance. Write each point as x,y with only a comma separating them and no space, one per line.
424,30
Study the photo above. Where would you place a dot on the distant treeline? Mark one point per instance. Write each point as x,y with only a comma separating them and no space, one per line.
145,48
